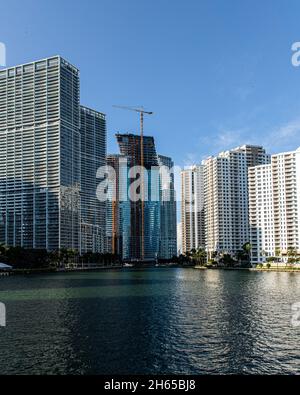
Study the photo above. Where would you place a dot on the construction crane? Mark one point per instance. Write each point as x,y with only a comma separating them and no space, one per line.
142,113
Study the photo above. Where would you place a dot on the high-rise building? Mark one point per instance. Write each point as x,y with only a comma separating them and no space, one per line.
226,197
144,216
168,209
40,155
50,150
274,201
192,215
118,207
93,157
261,212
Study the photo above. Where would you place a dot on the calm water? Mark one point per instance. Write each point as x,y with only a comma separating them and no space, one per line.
156,321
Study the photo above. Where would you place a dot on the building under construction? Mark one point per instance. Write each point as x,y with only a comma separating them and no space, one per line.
118,207
144,213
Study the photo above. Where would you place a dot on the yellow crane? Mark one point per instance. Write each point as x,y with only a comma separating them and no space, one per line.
142,113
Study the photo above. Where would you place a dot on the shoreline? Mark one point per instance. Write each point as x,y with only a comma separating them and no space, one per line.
27,272
274,269
56,271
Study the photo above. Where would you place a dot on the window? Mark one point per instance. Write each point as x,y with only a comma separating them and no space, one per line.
52,62
40,66
28,69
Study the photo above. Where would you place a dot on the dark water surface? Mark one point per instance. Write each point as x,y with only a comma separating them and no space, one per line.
150,322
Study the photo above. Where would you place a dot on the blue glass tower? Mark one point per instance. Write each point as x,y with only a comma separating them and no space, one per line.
168,210
118,207
149,234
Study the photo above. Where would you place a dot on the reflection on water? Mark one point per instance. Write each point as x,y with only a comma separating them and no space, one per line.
154,321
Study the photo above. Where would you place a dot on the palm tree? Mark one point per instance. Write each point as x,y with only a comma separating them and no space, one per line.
240,256
292,254
247,248
199,255
202,254
188,255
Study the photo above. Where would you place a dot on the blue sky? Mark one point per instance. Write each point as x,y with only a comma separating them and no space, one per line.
216,73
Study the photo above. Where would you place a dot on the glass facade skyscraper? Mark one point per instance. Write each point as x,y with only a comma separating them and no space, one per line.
118,208
39,155
168,209
50,151
130,147
40,158
93,156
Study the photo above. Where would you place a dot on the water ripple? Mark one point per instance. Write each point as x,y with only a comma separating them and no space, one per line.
152,322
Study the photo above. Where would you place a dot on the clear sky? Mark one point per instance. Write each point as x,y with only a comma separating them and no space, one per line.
216,73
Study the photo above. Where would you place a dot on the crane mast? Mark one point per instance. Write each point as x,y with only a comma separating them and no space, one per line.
142,112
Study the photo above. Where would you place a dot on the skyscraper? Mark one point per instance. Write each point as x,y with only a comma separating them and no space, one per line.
274,200
118,208
144,240
50,150
261,212
168,209
40,155
192,214
93,156
226,197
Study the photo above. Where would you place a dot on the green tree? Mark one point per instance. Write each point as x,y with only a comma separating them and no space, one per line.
227,260
189,256
247,248
292,254
241,256
199,256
